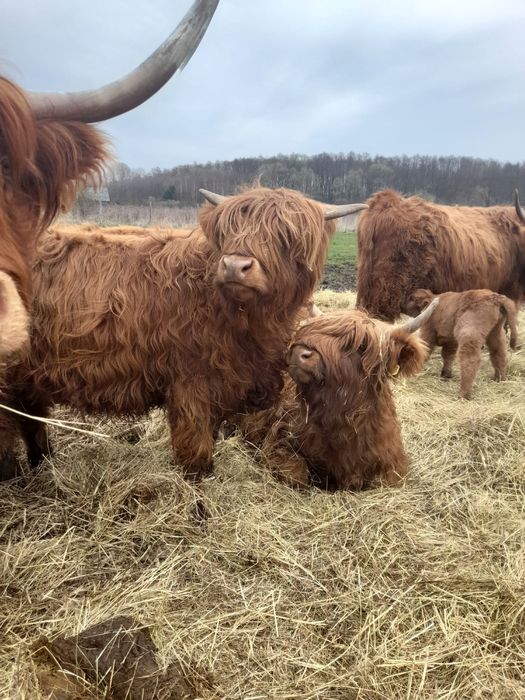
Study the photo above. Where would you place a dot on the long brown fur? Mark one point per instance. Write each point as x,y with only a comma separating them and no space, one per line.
42,163
340,430
408,243
124,323
463,322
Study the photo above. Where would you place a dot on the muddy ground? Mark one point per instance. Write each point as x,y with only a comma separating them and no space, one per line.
340,278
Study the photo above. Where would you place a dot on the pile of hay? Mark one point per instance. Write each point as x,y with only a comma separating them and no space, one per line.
256,591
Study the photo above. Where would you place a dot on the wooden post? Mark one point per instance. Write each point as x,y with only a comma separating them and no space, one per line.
150,199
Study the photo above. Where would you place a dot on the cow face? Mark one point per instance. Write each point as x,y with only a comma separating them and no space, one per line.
418,300
305,364
352,354
269,246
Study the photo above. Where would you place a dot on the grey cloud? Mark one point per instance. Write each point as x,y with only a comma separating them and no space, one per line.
434,77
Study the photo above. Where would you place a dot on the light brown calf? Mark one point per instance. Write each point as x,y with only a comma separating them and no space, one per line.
463,323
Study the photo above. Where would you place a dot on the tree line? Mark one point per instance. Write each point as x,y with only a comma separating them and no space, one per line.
331,178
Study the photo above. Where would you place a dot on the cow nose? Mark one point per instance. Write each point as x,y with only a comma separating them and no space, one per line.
236,267
304,355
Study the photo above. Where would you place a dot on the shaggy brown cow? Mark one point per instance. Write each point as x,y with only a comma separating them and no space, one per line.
46,152
198,323
41,163
408,243
464,322
335,423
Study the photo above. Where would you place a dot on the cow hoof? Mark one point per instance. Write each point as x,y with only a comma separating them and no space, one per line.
467,395
445,374
197,472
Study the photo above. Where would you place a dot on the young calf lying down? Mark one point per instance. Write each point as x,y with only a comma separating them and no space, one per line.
464,322
335,424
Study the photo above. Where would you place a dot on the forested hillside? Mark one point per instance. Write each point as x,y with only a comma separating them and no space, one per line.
328,177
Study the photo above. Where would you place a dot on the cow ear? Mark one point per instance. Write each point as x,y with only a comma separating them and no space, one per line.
407,354
14,319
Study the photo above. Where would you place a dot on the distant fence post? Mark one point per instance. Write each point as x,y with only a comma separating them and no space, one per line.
150,200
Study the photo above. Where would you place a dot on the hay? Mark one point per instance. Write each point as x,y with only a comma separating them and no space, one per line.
258,591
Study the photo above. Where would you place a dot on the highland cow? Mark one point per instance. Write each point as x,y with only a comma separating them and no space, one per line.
408,243
335,424
48,150
463,323
198,323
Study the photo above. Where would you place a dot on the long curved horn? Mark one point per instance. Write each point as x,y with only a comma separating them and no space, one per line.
136,87
331,212
415,323
336,212
212,197
517,206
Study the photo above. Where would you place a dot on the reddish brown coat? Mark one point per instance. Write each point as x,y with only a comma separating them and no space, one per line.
336,424
408,243
41,165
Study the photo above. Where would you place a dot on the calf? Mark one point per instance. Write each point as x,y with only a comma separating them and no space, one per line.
463,323
335,424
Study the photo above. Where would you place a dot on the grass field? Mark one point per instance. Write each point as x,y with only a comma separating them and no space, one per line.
261,592
343,248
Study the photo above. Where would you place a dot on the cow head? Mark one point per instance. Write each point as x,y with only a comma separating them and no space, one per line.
418,300
269,246
48,150
345,357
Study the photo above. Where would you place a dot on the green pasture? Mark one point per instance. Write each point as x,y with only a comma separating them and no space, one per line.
343,248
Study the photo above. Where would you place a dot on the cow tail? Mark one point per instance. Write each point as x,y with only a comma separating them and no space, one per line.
508,309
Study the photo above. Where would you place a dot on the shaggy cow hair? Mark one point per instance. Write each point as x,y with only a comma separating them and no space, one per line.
123,323
42,164
462,323
408,243
335,424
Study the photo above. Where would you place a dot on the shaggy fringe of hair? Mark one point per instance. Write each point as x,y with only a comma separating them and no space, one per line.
343,431
272,224
42,164
406,243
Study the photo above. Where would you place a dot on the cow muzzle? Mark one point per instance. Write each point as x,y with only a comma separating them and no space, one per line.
240,273
14,319
304,364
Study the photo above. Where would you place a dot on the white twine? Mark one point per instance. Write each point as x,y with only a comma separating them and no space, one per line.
55,422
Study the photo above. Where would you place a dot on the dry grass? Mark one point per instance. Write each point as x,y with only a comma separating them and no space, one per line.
133,215
263,592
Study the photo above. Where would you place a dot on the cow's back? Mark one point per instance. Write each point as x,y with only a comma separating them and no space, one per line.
108,315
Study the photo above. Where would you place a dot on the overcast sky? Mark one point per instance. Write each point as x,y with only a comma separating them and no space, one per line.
388,77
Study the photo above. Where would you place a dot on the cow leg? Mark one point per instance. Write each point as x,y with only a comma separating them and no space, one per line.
428,335
469,362
36,438
448,353
9,431
498,353
193,428
34,432
285,465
